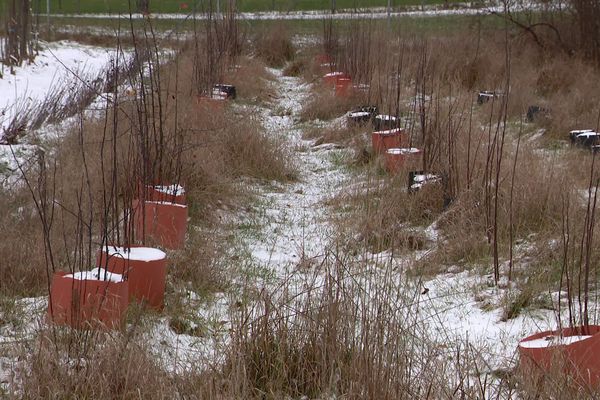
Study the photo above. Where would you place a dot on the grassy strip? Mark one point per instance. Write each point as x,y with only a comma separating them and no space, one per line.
400,26
174,6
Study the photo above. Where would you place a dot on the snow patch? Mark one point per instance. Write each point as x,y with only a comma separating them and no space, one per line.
552,340
97,274
137,253
171,190
167,203
403,151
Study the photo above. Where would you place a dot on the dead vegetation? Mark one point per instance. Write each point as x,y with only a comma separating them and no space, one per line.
274,45
505,179
519,203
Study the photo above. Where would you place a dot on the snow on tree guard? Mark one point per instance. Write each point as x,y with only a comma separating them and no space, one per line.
587,139
331,78
173,193
89,299
574,351
145,268
397,159
418,179
385,122
573,134
361,115
388,139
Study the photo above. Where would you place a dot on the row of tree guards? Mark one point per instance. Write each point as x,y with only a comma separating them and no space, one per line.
128,272
144,205
572,352
388,139
125,272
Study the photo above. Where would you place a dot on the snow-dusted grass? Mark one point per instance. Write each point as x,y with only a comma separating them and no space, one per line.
39,103
56,64
299,250
309,309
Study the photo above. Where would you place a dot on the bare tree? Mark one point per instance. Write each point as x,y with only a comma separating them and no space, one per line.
587,14
16,46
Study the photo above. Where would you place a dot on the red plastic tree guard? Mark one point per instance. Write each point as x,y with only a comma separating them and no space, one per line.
162,222
577,350
145,268
393,138
397,159
87,303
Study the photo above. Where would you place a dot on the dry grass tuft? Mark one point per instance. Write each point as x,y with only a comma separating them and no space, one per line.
274,45
22,250
105,367
324,105
251,79
295,68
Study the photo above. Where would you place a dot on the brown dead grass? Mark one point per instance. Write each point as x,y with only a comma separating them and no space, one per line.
251,79
353,136
447,72
21,248
215,150
325,105
332,341
274,45
102,367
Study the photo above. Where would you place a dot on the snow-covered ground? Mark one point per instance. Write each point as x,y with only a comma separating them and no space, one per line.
292,230
56,64
293,227
296,226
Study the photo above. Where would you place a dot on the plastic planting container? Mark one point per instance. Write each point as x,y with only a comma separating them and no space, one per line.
573,134
384,122
574,351
585,138
164,223
173,193
393,138
222,90
88,301
485,96
343,87
358,118
361,115
145,268
332,78
419,179
397,159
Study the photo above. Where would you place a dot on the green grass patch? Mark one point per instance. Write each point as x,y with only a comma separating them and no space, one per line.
175,6
404,25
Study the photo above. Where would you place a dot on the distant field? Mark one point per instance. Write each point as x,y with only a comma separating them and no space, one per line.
172,6
405,25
